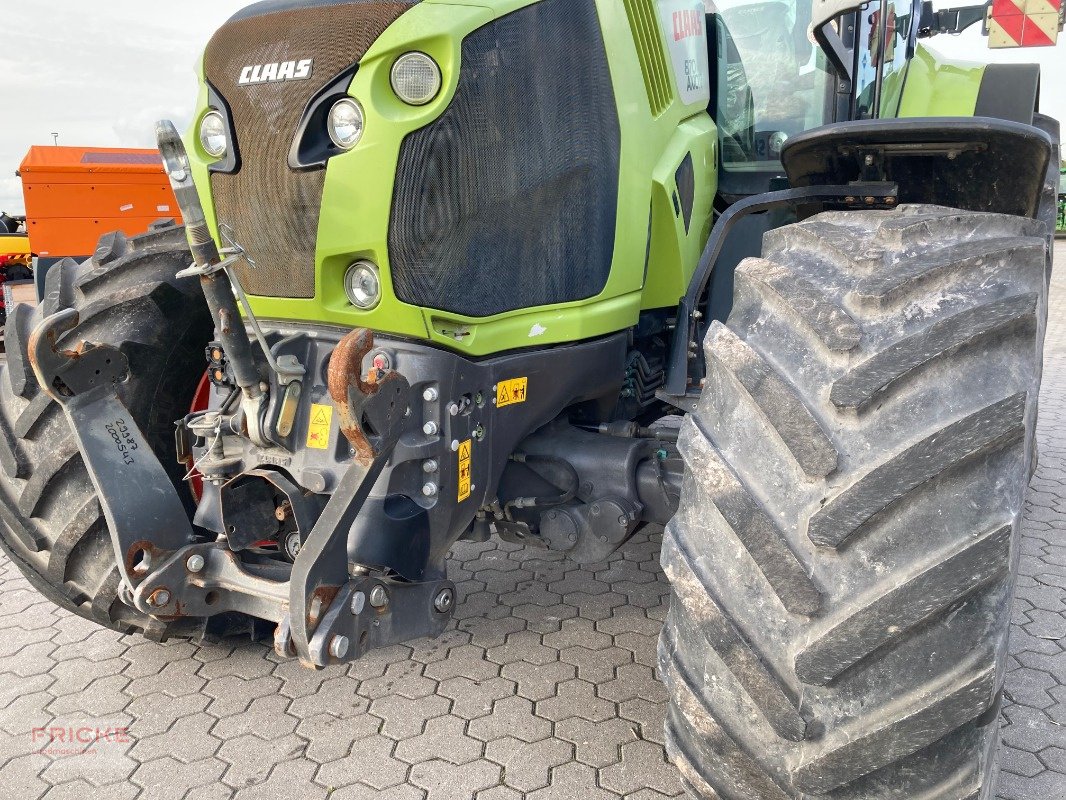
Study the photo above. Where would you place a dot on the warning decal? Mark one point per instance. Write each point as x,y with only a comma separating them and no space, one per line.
319,427
1024,23
510,392
464,470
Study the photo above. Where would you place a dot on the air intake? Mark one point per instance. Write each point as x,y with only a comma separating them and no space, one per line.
649,44
509,200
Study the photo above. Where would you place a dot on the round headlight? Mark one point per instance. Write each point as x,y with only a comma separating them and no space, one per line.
362,285
213,134
346,123
416,78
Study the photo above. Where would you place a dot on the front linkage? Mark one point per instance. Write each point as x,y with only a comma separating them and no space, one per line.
433,448
168,573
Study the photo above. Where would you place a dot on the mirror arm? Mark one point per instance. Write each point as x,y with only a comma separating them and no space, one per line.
949,20
833,47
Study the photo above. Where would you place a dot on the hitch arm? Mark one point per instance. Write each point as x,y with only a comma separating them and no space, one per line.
145,516
372,412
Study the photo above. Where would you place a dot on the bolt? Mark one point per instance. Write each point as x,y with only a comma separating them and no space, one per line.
379,598
573,537
453,409
338,646
869,160
358,603
443,602
159,598
430,428
603,539
455,445
623,520
195,563
430,466
293,543
430,394
430,490
596,509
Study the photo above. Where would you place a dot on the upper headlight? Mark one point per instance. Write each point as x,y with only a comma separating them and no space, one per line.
346,123
416,78
213,134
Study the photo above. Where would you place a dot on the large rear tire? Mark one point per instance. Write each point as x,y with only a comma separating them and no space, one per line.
51,524
843,560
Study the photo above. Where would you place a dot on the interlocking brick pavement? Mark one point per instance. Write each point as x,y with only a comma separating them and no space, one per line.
544,688
1033,755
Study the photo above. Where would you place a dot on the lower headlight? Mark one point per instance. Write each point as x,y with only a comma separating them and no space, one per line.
362,284
346,123
416,78
213,135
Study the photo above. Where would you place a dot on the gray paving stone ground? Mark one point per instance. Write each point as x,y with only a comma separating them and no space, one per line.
543,689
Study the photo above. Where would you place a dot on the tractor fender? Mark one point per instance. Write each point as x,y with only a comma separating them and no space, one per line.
975,164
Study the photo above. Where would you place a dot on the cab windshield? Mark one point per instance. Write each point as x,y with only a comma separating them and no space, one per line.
772,82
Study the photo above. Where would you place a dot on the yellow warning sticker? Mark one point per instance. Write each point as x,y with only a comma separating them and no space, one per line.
464,470
508,393
319,427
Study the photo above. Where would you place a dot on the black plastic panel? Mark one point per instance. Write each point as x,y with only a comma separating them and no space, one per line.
509,199
685,178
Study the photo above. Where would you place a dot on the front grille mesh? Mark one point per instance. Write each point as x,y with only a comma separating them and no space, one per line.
509,199
273,209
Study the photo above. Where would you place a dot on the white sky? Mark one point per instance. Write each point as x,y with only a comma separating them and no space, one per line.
102,73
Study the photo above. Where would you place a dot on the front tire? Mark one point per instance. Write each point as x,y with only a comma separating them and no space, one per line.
843,559
51,523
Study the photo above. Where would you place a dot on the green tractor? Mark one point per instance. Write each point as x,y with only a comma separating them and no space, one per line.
773,277
1060,223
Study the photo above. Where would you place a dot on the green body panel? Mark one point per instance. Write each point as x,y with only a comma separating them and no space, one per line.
934,86
357,197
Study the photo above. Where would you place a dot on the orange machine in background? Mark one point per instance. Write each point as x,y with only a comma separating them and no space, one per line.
76,194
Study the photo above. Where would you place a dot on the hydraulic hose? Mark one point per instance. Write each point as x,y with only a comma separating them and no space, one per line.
216,285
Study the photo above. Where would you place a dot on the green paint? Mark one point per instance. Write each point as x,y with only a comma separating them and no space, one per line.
939,87
359,186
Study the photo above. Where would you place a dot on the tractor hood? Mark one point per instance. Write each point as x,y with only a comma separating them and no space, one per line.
263,68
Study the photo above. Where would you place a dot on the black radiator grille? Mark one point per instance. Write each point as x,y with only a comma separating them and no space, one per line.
272,209
509,199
